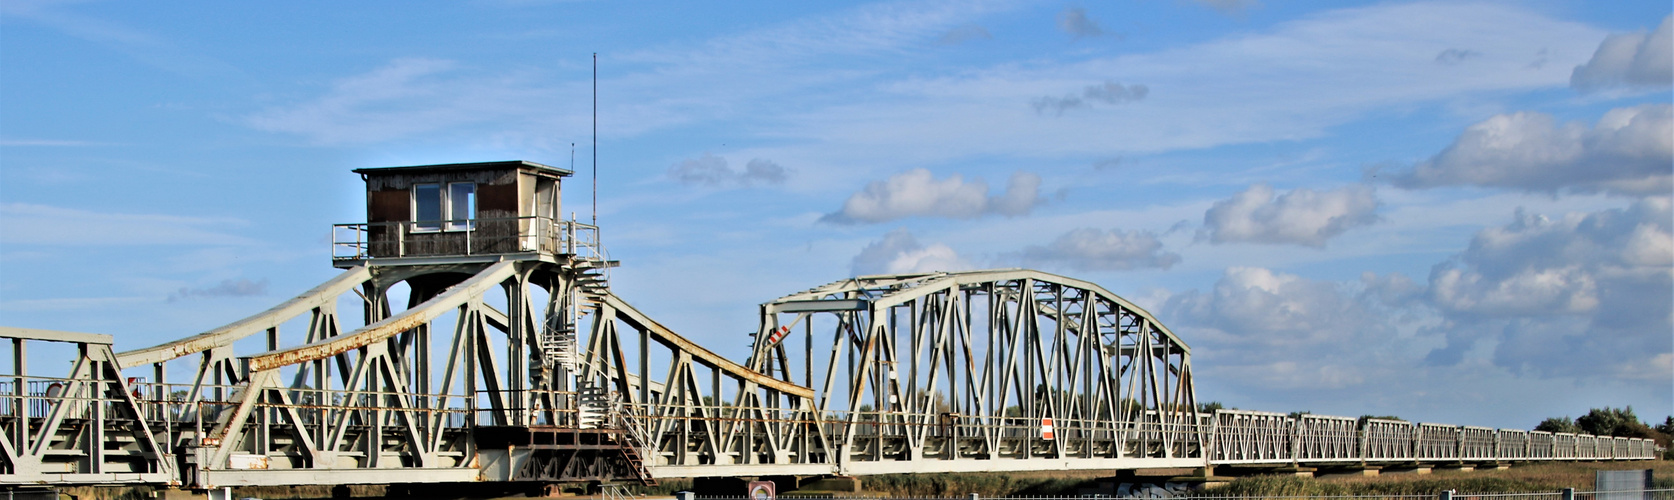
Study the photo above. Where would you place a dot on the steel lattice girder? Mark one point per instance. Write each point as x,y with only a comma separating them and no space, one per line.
971,371
1115,383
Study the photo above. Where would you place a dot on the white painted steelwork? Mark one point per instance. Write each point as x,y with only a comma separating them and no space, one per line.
915,373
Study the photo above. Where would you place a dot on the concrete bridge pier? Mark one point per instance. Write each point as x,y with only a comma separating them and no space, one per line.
1351,471
1407,468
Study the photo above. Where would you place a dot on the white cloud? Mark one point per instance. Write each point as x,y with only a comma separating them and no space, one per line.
1091,249
1021,197
1282,331
899,252
918,193
1630,59
1574,295
1074,21
711,170
1629,151
1270,338
1299,217
30,224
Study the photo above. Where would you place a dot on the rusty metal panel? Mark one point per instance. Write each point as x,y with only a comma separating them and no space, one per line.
498,200
389,206
247,461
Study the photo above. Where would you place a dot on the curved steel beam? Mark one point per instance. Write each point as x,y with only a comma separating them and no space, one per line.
926,284
675,341
421,314
232,332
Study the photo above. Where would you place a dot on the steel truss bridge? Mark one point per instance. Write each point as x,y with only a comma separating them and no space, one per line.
525,368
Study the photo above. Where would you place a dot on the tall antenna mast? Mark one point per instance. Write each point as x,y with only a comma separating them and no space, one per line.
595,139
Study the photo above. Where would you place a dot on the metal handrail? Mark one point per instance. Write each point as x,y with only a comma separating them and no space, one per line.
356,241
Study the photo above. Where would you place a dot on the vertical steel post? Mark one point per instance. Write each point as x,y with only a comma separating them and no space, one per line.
96,441
645,370
20,360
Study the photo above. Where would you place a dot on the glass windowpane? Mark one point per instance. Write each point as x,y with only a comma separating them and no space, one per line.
462,205
427,207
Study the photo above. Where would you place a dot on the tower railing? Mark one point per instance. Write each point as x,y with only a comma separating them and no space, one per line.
465,237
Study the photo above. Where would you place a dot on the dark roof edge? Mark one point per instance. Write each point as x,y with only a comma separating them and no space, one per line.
469,166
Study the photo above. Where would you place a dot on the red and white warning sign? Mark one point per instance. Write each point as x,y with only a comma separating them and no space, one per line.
1046,428
777,335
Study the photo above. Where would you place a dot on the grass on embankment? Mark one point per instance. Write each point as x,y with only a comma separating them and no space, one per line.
960,485
1547,477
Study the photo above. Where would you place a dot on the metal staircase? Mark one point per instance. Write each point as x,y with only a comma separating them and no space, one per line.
591,278
636,443
558,348
592,405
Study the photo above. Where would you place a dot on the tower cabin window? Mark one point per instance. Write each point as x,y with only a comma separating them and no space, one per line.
436,209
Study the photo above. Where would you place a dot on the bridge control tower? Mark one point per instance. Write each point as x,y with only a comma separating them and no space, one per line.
435,227
463,212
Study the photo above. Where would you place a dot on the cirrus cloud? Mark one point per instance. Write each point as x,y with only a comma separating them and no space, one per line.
1091,249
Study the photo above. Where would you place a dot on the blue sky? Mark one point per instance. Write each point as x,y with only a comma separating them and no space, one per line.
1447,211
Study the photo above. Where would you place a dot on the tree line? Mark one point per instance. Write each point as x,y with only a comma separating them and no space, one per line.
1607,421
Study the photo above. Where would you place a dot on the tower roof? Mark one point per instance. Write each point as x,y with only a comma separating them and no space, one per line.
469,166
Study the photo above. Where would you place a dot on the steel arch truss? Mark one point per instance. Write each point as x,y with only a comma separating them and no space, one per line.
972,371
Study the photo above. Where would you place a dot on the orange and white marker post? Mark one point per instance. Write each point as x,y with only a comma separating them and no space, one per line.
1046,428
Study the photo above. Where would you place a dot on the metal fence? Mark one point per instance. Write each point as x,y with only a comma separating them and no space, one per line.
1566,494
1243,437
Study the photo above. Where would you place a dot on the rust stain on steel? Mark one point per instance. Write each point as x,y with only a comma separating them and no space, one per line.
231,332
455,296
668,337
